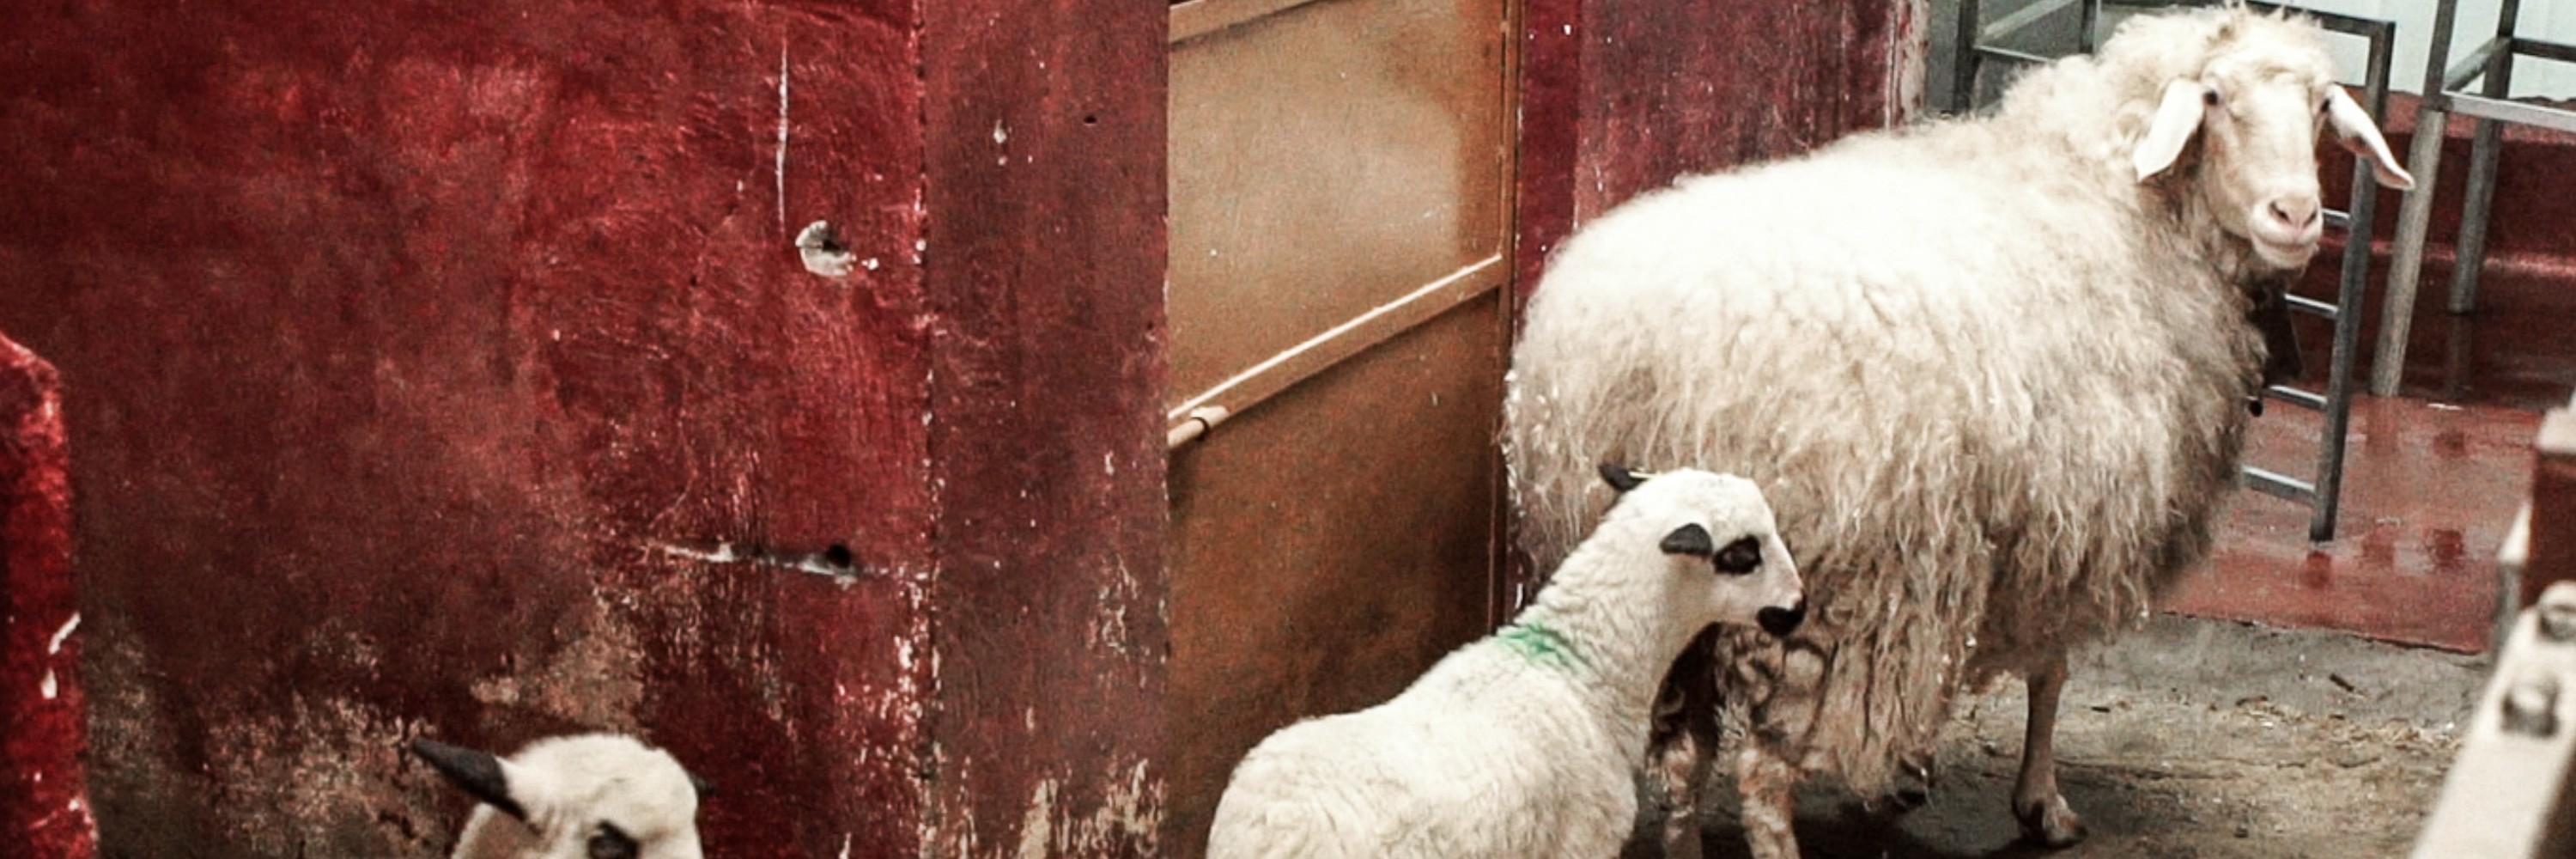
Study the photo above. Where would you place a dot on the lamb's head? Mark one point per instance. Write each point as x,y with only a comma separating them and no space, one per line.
593,796
2252,91
1720,542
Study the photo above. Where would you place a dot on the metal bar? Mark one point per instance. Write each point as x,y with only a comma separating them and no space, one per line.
2470,250
2312,307
2013,55
1266,379
2279,485
2475,65
2513,112
2552,549
2506,792
2351,291
2415,216
1966,62
2297,396
1201,17
2010,25
2336,21
2544,50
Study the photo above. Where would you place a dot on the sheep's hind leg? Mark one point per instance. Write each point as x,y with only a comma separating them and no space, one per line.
2045,817
1769,786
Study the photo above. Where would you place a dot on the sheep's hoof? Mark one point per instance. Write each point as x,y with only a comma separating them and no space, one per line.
2049,823
1909,790
1899,800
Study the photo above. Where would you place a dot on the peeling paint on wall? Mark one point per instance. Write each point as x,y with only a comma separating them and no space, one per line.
45,810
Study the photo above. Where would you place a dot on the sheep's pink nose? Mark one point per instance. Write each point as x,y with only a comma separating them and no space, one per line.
2297,214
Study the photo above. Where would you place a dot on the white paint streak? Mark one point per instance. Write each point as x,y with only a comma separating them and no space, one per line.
724,553
845,845
1037,830
47,686
56,646
782,136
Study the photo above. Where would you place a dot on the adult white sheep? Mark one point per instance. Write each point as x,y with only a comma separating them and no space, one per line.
1526,743
1992,373
591,796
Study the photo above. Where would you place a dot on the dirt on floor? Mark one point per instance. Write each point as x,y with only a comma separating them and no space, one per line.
2191,738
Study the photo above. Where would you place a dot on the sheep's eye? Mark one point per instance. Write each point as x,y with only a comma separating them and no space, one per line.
2209,97
611,842
1740,557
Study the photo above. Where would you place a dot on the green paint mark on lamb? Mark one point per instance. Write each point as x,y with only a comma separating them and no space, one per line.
1538,644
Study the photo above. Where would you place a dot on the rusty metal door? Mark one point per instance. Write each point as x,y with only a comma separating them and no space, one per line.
1339,212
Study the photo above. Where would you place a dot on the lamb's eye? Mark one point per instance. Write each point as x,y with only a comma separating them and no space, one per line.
2209,97
1740,557
611,842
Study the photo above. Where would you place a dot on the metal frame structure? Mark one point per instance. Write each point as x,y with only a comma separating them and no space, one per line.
2323,495
2446,92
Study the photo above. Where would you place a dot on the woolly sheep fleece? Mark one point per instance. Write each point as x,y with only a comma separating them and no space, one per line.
1525,743
1994,384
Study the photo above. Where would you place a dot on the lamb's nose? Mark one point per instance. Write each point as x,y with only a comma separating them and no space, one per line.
1779,622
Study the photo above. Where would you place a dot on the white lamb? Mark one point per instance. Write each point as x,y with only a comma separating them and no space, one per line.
593,796
1992,373
1526,743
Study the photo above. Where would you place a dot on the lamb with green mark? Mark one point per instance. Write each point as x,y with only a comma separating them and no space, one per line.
1527,743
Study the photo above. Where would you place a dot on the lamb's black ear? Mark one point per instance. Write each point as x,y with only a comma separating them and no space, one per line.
1691,540
479,773
1619,477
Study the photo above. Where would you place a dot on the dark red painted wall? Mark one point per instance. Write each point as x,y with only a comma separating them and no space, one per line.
412,349
44,795
1621,96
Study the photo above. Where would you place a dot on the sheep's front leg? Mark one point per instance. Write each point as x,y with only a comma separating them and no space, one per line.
1685,738
1911,789
1681,762
1769,786
2045,817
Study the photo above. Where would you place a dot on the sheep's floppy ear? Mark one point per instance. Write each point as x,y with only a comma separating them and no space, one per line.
477,772
1620,478
1691,540
2177,120
2353,129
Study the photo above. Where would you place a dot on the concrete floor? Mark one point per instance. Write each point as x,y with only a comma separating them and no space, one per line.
2192,738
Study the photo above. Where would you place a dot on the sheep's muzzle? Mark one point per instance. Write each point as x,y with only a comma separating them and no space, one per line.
1779,622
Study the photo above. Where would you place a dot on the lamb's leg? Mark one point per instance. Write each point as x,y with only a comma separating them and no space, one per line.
1769,786
2045,818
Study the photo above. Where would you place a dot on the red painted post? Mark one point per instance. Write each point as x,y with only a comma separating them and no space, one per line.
44,739
1044,125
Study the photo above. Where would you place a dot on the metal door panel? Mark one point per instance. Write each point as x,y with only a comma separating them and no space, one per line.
1338,203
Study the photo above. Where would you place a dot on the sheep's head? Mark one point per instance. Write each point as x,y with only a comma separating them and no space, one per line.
2252,92
594,796
1722,542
